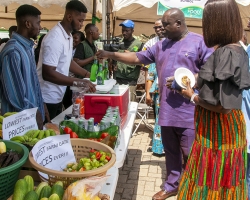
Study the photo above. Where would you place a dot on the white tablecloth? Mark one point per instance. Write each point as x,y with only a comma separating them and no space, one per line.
121,150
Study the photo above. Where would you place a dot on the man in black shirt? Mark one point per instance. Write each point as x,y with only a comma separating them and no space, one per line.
86,50
129,74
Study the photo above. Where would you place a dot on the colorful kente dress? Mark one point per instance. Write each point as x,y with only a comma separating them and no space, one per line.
157,146
216,168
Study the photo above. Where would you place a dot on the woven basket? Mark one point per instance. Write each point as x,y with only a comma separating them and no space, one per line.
81,148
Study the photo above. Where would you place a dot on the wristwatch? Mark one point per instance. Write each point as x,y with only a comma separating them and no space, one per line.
192,98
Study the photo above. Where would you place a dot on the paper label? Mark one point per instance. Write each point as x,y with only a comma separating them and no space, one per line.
19,124
54,152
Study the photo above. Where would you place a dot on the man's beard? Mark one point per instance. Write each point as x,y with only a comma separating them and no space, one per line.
73,26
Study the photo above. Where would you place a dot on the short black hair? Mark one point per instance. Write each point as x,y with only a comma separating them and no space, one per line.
88,26
76,5
27,10
80,33
12,28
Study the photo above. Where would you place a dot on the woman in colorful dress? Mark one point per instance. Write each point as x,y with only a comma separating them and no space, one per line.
216,168
152,81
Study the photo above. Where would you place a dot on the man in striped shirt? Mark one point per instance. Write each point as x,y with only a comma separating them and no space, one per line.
20,88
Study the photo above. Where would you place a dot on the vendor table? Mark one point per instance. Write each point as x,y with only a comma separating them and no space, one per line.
120,150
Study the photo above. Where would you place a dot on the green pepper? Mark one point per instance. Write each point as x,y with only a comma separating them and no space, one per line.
88,168
86,164
97,164
105,161
102,158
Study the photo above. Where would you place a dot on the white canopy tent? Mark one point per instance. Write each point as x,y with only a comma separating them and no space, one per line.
143,12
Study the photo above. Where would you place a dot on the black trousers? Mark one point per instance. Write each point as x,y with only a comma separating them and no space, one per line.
54,109
67,99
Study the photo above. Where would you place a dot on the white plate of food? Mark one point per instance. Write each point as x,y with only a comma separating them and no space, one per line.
182,75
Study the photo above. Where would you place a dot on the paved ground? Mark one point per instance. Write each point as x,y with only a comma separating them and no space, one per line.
143,175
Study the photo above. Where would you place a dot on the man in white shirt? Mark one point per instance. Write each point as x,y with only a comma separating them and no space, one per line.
55,60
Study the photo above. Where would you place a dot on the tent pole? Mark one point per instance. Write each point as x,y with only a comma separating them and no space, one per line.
108,19
94,12
104,10
114,22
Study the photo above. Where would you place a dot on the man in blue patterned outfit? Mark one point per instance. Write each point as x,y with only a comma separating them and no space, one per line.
20,88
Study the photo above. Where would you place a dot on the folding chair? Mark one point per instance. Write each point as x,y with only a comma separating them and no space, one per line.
142,114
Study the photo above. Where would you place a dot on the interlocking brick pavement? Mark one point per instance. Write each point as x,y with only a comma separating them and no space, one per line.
143,175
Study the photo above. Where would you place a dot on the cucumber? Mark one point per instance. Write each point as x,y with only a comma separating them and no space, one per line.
31,195
46,192
40,187
30,182
54,197
58,189
44,198
59,183
20,190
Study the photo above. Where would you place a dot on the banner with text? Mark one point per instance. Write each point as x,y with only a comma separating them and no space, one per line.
190,8
19,124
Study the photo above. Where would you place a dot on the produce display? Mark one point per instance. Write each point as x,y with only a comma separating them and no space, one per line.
7,157
33,136
107,136
95,160
25,190
1,121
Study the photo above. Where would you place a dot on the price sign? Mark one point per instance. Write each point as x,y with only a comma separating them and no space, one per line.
54,152
20,123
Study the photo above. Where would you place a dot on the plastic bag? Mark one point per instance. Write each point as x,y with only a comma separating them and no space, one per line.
86,189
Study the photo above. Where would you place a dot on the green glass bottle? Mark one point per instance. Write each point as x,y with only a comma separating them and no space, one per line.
106,71
100,76
93,72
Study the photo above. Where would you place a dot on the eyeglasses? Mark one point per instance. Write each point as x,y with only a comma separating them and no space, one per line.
156,27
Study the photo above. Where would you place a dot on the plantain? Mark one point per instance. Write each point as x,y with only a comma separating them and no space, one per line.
26,138
9,114
3,157
41,134
14,159
8,159
32,142
2,147
47,133
30,133
18,138
52,132
36,133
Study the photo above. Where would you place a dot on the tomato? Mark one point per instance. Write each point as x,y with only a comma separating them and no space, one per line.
82,169
99,140
108,158
67,130
98,155
73,135
92,151
103,135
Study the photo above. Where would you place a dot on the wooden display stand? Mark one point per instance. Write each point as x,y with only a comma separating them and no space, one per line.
27,169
